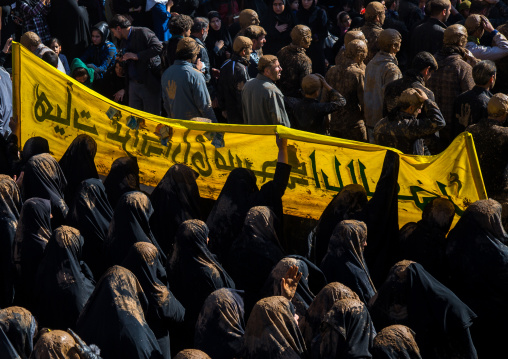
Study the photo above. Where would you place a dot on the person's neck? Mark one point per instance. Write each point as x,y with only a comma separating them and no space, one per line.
439,18
197,36
125,32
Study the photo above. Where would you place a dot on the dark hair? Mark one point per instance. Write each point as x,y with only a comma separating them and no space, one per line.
212,14
200,23
54,39
437,6
423,60
119,20
79,71
51,58
483,71
478,6
180,24
389,3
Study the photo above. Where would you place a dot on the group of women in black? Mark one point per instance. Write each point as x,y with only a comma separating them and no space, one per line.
93,268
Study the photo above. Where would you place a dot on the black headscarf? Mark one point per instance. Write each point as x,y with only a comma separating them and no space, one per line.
63,283
218,58
78,164
114,318
10,208
272,331
276,40
130,224
164,309
91,213
44,178
220,327
33,146
344,260
395,342
7,350
174,200
32,236
122,178
311,321
20,328
346,331
441,321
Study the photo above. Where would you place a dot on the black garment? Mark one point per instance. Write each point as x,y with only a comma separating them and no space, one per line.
428,36
315,18
174,200
32,236
110,84
410,13
217,57
220,327
45,179
10,208
276,40
7,350
310,323
469,108
395,342
192,262
33,146
19,326
169,52
186,7
163,308
63,283
478,262
77,164
233,76
95,9
122,178
412,297
91,214
346,332
344,262
114,319
272,331
203,55
130,224
394,21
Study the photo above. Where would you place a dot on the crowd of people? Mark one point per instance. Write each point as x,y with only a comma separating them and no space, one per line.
100,269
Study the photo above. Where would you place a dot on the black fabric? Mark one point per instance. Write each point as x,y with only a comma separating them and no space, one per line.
6,348
441,321
44,178
122,178
91,213
272,331
192,262
218,58
395,342
114,318
19,326
276,40
10,208
33,146
32,236
315,18
164,309
344,261
174,200
220,326
78,164
130,224
317,279
63,282
346,331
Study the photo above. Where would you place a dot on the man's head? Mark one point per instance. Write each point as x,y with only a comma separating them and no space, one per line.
455,35
497,107
248,17
424,64
30,40
479,7
474,25
181,25
187,50
392,5
301,36
51,58
440,9
269,66
242,46
257,35
200,28
357,51
375,12
354,35
484,74
389,41
311,86
410,101
119,26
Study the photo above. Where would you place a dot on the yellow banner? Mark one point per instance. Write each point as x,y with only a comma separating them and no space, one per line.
53,105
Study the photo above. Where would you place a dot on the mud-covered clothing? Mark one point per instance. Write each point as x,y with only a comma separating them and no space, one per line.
348,121
411,79
493,53
371,32
233,77
405,131
453,77
428,36
310,114
469,108
295,66
380,71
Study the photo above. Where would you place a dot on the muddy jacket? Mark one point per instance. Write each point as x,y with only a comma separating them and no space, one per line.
295,66
411,79
405,132
371,32
469,108
380,72
233,77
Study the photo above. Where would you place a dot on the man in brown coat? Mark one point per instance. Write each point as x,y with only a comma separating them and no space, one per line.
340,59
374,20
453,77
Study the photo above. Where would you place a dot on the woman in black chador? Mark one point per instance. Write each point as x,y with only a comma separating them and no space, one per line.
122,178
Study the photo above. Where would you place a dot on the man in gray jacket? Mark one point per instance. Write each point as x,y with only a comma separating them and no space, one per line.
476,25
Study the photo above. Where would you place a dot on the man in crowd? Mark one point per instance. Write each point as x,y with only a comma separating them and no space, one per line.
262,101
199,31
340,60
257,35
476,25
180,27
374,19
